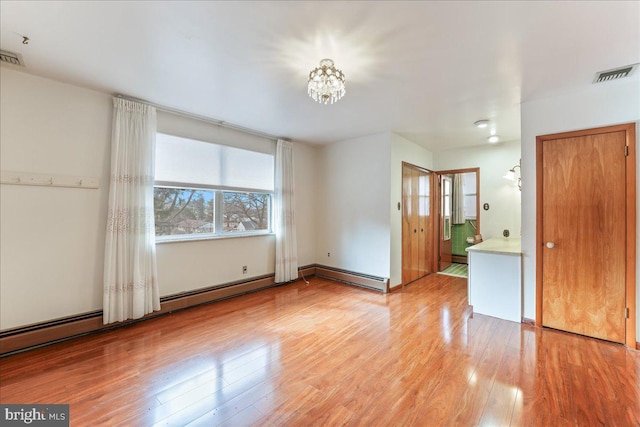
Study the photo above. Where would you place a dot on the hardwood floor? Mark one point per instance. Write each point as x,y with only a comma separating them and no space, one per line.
332,354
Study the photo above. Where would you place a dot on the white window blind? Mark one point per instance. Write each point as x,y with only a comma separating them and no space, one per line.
196,162
469,190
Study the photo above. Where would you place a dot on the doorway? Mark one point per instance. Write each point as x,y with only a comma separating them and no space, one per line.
585,256
458,218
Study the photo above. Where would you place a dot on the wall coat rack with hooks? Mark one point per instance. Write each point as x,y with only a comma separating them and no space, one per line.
48,180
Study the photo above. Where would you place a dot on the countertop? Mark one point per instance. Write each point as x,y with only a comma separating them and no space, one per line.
509,246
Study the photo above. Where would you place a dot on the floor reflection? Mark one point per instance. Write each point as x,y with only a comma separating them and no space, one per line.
214,381
332,354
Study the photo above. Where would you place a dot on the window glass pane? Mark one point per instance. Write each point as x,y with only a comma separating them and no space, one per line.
447,197
181,211
244,212
470,206
469,183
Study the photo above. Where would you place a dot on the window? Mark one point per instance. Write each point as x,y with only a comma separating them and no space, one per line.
183,211
469,189
446,207
205,190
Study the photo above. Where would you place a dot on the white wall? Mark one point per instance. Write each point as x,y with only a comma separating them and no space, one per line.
52,239
306,182
598,105
402,150
353,205
494,162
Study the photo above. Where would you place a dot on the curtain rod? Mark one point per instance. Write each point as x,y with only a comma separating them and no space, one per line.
221,123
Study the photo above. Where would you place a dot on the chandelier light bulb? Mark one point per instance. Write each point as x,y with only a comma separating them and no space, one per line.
326,83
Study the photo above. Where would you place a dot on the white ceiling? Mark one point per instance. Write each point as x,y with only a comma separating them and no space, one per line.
425,70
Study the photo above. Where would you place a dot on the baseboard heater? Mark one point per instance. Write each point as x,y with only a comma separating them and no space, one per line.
23,338
359,279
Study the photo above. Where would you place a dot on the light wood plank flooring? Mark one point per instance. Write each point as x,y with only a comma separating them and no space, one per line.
331,354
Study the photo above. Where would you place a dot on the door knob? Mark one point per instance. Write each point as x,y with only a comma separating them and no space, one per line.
550,245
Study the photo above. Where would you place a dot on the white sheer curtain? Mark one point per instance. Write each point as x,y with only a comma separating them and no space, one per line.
130,276
458,199
284,215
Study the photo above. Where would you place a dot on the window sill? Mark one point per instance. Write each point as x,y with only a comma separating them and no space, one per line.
182,239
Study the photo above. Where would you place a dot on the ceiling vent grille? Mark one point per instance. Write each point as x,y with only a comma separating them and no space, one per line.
618,73
11,58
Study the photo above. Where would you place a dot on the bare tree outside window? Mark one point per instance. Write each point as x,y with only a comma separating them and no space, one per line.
245,211
181,211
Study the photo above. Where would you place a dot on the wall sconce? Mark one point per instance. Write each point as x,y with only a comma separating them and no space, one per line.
512,175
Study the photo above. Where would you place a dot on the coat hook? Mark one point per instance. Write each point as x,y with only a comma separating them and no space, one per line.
25,40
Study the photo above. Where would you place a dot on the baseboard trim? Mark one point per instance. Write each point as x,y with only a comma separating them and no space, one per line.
461,259
352,278
529,322
395,288
31,336
16,340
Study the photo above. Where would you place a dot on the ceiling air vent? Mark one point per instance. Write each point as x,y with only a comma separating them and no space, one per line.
11,58
618,73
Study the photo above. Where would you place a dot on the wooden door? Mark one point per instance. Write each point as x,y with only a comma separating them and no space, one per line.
407,211
584,234
417,226
445,251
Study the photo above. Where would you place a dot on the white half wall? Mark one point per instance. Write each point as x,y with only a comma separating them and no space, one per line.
353,205
402,150
52,239
502,196
598,105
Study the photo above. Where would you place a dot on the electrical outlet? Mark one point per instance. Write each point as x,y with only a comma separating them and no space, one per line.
244,269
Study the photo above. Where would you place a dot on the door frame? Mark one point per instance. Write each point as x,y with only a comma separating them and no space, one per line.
438,236
630,259
445,246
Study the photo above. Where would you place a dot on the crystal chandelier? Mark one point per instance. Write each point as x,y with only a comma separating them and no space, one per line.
326,83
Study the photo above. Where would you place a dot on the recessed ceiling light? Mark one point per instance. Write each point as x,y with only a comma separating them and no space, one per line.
493,139
481,124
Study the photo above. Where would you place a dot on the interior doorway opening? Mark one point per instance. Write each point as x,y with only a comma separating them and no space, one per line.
458,218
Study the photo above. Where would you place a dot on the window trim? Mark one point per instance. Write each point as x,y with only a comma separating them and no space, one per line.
218,191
